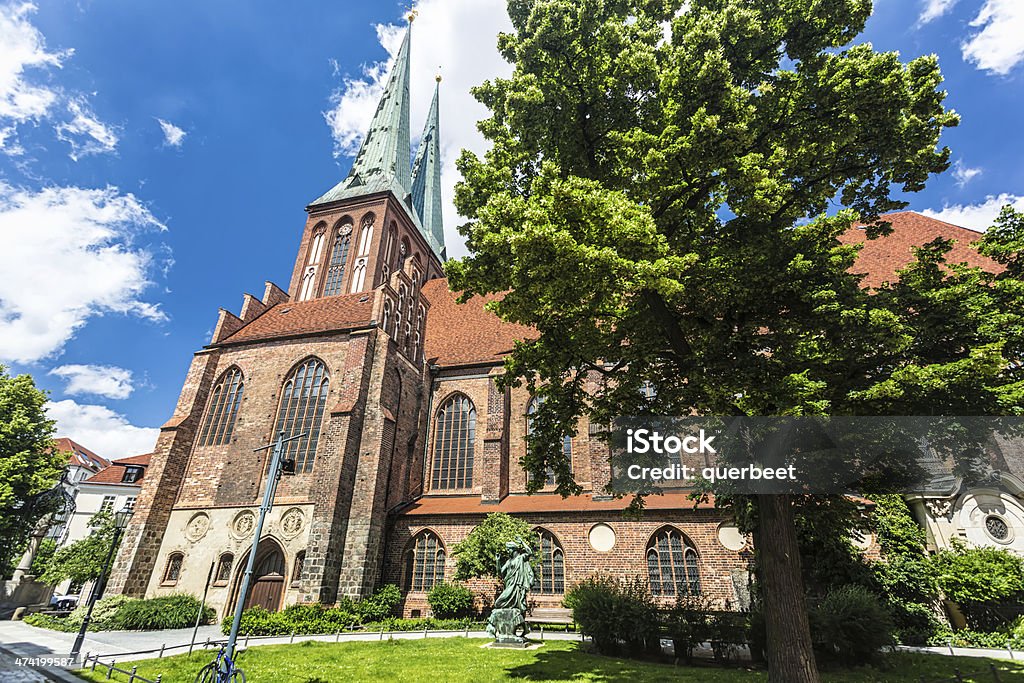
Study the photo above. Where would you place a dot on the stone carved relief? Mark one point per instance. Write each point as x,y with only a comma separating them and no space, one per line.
243,524
939,507
197,526
292,523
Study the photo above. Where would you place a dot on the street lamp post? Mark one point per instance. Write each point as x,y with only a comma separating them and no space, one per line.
121,518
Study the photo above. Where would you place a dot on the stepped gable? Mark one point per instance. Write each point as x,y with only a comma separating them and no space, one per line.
299,318
466,334
882,257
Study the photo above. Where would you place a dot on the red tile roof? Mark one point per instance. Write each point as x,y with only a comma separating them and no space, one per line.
882,257
308,317
80,455
114,473
465,334
545,502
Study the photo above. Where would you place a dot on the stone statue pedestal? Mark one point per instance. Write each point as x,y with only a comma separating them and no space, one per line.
508,626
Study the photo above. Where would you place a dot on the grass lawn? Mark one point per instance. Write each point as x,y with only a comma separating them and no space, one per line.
444,660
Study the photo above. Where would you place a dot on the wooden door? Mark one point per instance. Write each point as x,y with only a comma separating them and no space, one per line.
266,592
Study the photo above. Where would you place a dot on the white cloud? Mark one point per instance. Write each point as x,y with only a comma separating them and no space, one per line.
457,38
84,132
964,174
24,49
68,254
173,136
933,9
99,380
978,216
107,433
999,45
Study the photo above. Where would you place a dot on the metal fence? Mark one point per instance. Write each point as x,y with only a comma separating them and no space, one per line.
133,677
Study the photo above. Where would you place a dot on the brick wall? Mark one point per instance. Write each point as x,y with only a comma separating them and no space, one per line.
627,558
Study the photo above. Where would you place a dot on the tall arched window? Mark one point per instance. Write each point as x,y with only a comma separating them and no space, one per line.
302,410
454,437
550,580
386,317
549,479
672,564
223,409
424,562
358,275
366,236
339,257
316,248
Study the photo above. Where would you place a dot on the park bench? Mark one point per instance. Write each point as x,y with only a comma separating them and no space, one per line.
550,615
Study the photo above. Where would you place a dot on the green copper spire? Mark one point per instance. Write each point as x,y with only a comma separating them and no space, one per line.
383,160
426,180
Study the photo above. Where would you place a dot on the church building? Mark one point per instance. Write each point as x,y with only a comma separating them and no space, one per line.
409,441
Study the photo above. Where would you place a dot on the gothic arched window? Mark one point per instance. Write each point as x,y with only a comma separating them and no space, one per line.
531,408
223,409
386,317
366,236
339,257
316,248
672,564
454,437
172,572
302,410
224,565
550,580
424,562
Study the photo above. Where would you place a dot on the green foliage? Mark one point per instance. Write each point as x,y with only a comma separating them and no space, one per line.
426,624
47,547
381,604
984,582
83,560
851,625
615,613
121,613
450,600
656,211
29,463
904,576
978,575
476,554
315,618
171,611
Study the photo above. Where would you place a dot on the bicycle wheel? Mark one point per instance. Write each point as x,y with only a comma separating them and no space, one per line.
208,674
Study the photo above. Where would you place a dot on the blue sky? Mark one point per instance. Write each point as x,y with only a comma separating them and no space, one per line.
155,160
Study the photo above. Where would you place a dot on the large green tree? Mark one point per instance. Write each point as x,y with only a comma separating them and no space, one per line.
29,463
654,206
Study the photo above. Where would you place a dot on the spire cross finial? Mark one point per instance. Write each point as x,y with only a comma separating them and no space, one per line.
413,13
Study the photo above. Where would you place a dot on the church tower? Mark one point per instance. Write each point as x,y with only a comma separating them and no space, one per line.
382,216
338,357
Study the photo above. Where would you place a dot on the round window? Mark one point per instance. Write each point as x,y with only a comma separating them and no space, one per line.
996,528
602,538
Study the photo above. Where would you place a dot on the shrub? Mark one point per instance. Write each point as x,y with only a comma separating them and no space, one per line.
381,604
689,624
428,624
121,613
450,600
614,613
851,625
171,611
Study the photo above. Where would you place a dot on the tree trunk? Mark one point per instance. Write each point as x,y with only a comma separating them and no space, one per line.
789,654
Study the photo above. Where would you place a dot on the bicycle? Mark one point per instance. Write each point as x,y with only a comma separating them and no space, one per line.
220,670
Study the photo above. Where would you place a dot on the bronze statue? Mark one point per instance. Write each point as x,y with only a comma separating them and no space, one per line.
507,622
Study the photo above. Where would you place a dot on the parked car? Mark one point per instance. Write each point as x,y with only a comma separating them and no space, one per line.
64,602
